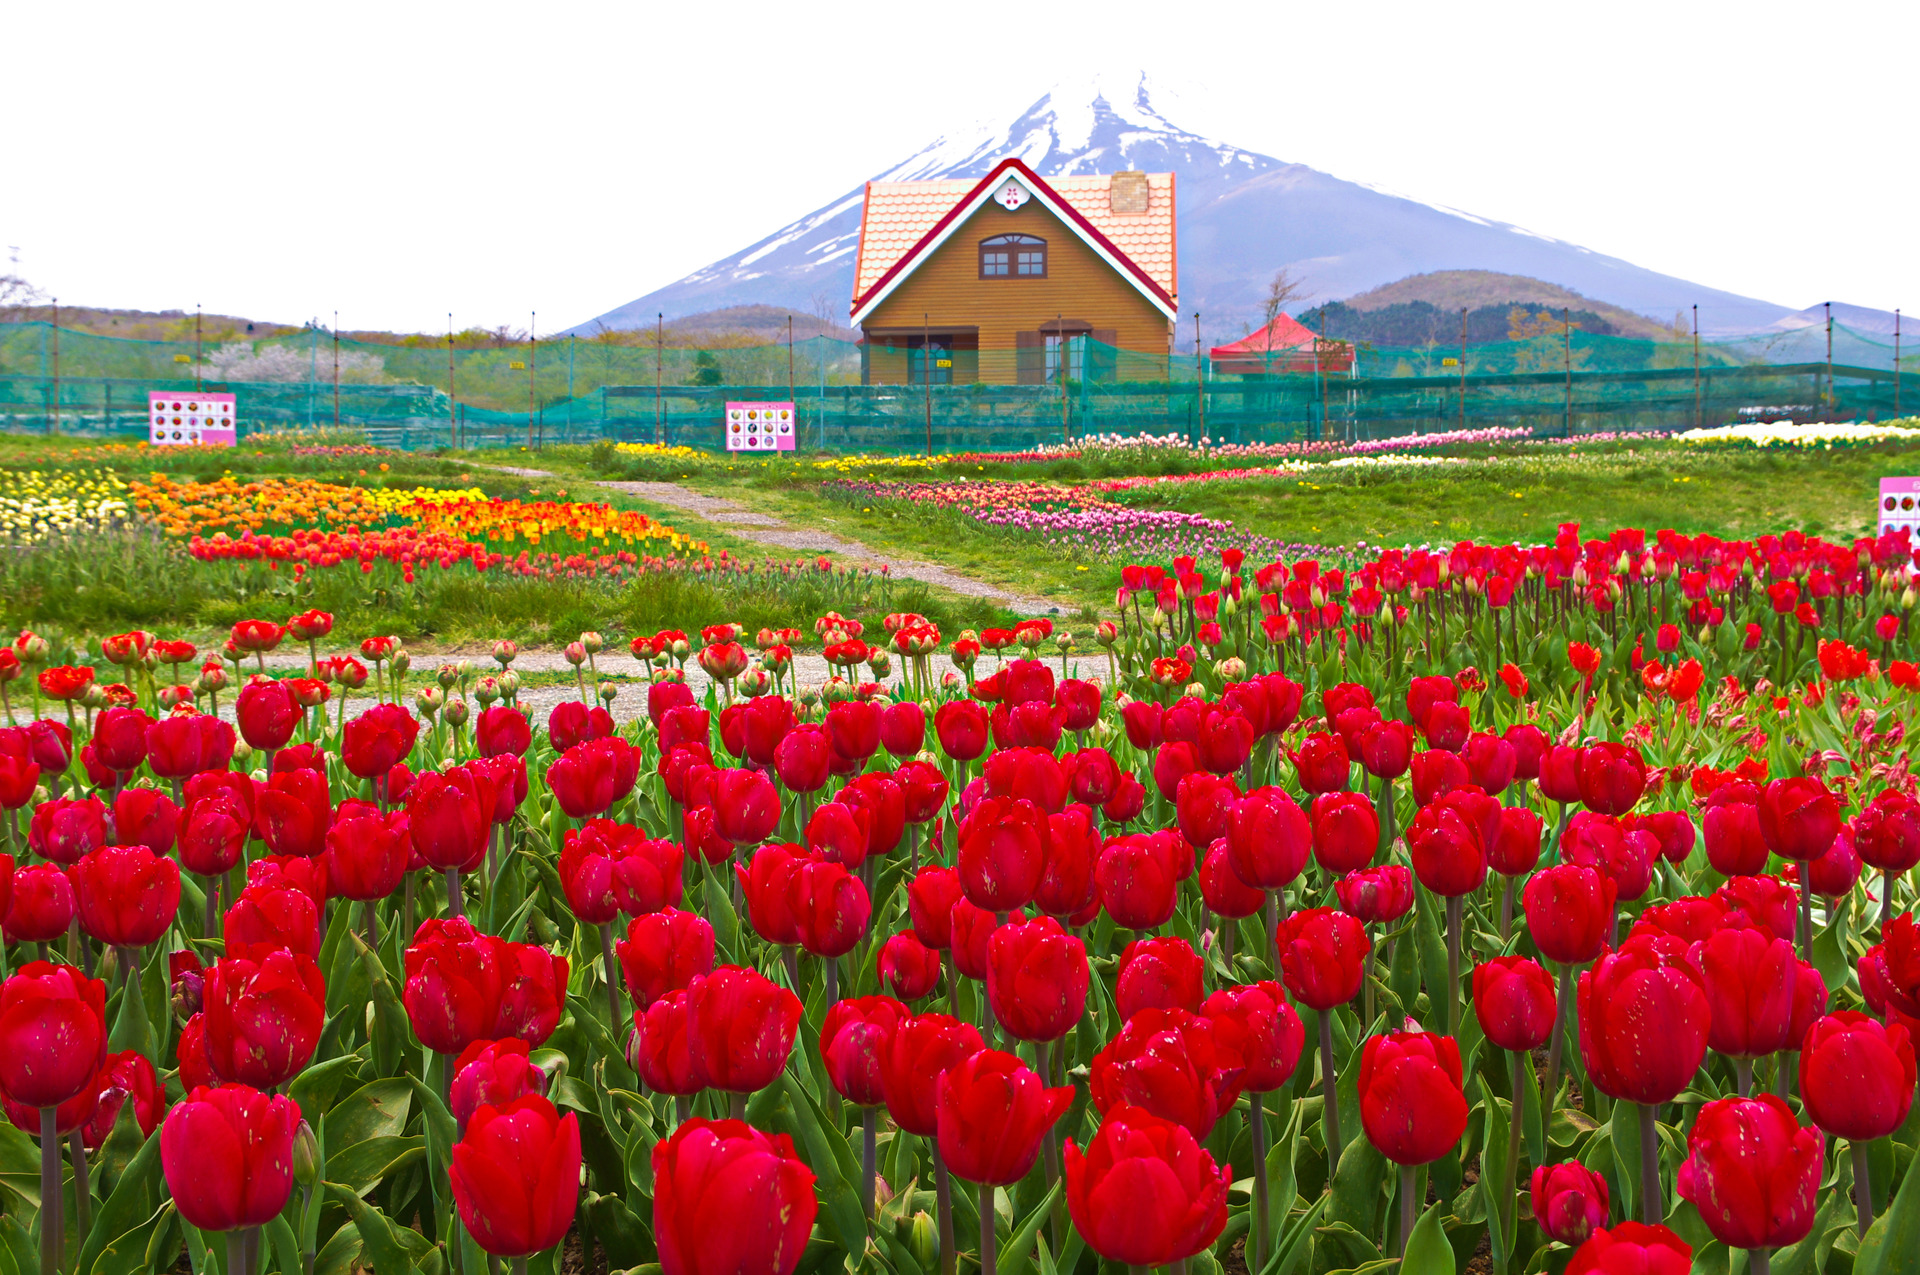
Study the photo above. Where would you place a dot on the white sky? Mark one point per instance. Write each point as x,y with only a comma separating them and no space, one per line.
396,161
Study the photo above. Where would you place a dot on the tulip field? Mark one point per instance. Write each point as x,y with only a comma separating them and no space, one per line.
1278,906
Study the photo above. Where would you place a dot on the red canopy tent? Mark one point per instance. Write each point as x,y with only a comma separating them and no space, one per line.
1282,346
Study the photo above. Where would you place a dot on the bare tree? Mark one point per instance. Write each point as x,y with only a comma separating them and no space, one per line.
17,296
1284,292
820,305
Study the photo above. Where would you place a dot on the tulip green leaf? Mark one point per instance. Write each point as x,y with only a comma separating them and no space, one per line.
1536,1134
1428,1252
131,1029
1803,1258
377,1235
1282,1185
840,1207
1016,1253
1344,1243
163,1239
1357,1187
134,1199
1496,1175
1431,946
340,1254
442,1133
285,1246
315,1088
20,1163
343,917
378,1109
365,1164
1625,1135
1293,1243
389,1019
1830,957
1891,1243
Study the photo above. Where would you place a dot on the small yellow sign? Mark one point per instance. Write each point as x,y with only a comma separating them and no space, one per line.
182,358
517,366
1449,362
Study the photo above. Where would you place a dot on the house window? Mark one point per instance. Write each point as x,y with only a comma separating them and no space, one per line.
1013,257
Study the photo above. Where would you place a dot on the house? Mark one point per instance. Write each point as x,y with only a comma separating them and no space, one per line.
1282,348
1016,279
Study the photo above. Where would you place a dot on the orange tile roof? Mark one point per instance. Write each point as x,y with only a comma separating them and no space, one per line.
899,214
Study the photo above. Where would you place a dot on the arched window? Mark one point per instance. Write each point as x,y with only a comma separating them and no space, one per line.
1013,257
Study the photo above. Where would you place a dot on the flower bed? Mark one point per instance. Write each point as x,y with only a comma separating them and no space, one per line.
1816,434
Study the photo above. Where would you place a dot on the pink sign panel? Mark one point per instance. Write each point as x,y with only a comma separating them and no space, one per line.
190,418
761,427
1900,505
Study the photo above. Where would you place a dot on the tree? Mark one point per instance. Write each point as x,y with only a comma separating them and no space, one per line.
1282,291
706,368
17,296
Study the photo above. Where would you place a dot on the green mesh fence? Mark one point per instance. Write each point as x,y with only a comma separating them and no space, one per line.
416,395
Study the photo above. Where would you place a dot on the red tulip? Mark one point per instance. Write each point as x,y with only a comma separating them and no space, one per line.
1633,1248
1144,1193
572,722
1856,1076
1529,747
227,1154
1079,703
1424,692
120,738
66,828
1346,831
1491,762
502,731
589,778
1644,1018
1799,817
179,745
1448,849
1569,1201
930,899
746,808
884,803
1376,895
1611,777
1835,873
1322,956
1073,847
664,952
908,968
1730,818
267,714
1514,1000
1768,902
1159,973
1177,1065
1174,761
1749,979
1221,887
1753,1172
383,736
903,728
830,908
1445,726
454,979
1672,829
1003,853
1516,848
18,778
687,724
293,813
264,1013
275,917
729,1199
1268,839
838,834
1436,773
1142,721
146,817
1128,800
127,896
1258,1024
961,726
53,1034
367,851
533,984
1887,833
919,1052
215,824
766,721
1037,977
801,759
42,905
126,1076
991,1112
1033,774
1137,877
740,1028
1559,778
516,1176
1321,763
492,1073
1386,749
1569,912
448,820
854,1038
763,883
923,790
1411,1104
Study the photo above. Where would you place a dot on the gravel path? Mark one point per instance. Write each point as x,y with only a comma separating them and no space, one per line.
765,529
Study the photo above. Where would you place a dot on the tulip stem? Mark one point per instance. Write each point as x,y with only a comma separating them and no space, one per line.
1047,1056
869,1130
1759,1262
1652,1198
454,900
1806,914
1886,901
943,1197
82,1192
613,985
1862,1185
1743,1074
1557,1046
1257,1127
237,1251
832,964
519,1266
1506,912
682,1108
1453,965
989,1264
1329,1084
1408,1176
51,1230
1516,1129
373,925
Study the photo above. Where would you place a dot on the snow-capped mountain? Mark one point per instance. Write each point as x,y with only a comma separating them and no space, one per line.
1242,216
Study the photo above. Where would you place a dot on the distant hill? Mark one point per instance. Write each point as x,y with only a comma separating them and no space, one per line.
1452,290
1243,215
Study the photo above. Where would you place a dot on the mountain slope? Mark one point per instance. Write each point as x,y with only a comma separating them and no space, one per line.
1242,216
